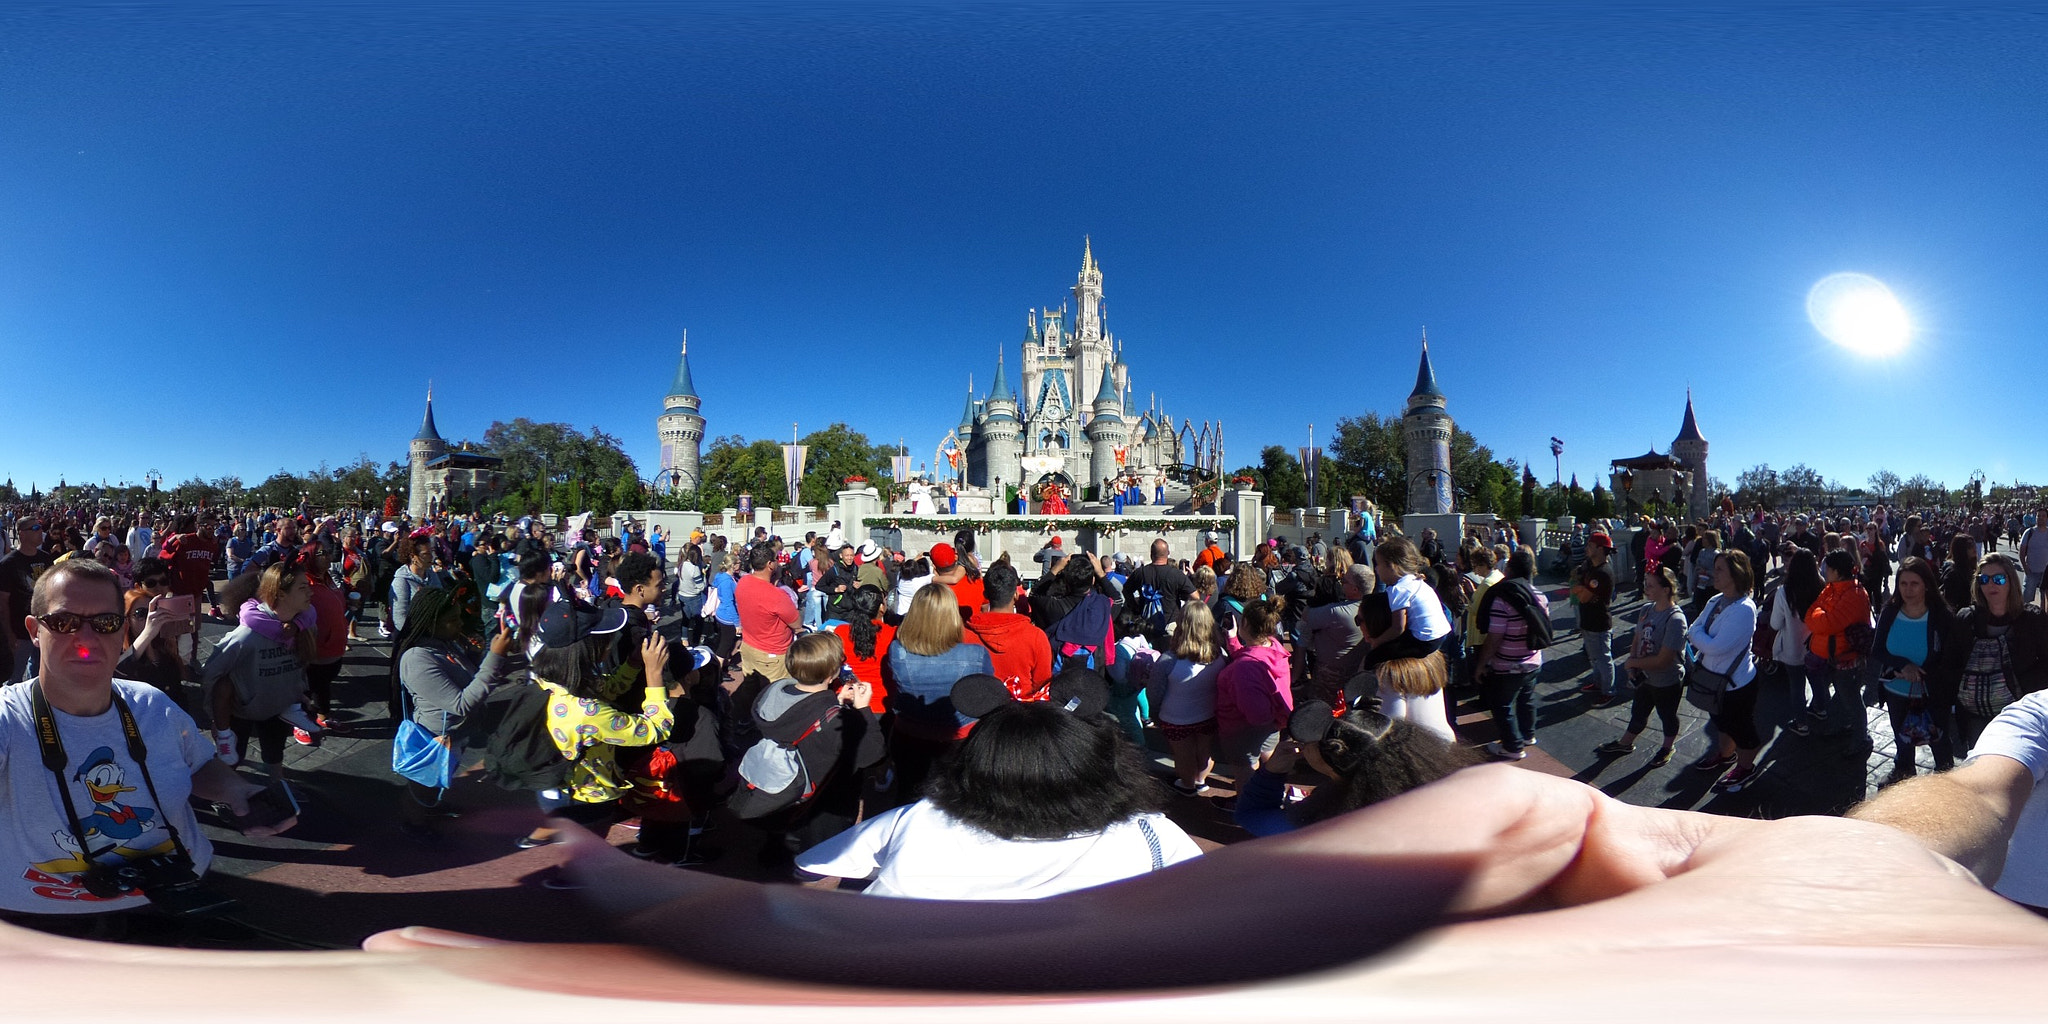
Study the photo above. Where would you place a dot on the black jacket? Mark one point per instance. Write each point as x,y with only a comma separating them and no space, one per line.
2026,642
1940,624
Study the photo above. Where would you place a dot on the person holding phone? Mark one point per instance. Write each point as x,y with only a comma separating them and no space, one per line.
157,621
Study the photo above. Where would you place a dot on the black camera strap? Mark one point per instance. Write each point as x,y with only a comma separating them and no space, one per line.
54,759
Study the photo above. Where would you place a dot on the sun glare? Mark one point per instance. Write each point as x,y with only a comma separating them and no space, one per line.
1857,312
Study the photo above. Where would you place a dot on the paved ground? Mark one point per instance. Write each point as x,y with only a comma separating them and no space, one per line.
346,872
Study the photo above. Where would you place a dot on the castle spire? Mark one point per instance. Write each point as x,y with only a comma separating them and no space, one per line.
683,386
1690,429
427,431
1001,391
1425,375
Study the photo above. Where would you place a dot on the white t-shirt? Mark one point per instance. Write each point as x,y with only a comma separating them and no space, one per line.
2020,732
40,865
1426,619
921,852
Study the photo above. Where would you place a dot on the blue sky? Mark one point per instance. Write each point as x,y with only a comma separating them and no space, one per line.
235,239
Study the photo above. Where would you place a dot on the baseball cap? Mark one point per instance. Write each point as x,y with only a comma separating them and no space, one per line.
1601,538
567,623
1055,542
390,527
944,557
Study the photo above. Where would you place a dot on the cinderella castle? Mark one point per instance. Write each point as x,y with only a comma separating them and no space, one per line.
1076,421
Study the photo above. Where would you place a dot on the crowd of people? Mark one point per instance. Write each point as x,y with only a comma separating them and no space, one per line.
934,724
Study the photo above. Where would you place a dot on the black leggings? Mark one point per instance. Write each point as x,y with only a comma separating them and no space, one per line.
1661,699
269,734
728,640
1737,717
1404,646
320,681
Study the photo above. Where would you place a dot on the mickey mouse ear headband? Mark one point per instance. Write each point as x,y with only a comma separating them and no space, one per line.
978,694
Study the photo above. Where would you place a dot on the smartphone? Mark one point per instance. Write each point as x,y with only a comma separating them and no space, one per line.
276,804
179,604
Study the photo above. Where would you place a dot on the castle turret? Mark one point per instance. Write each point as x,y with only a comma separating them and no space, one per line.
681,426
1426,432
1106,431
1690,449
427,446
1002,432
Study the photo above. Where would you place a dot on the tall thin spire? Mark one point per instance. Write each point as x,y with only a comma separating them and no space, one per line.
427,430
1690,429
1087,254
1425,375
683,386
1001,391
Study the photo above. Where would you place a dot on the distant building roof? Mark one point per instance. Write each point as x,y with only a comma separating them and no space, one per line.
1649,460
1690,430
460,459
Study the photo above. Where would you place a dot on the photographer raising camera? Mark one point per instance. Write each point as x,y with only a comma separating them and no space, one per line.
96,772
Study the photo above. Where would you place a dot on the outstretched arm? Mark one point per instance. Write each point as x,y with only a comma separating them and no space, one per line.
1966,815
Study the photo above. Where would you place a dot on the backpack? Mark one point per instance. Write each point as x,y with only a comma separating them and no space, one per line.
773,776
1517,593
1078,655
1151,607
521,754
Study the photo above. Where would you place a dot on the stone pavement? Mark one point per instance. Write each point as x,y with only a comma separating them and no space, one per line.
346,871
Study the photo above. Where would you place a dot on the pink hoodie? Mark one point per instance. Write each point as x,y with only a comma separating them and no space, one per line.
1253,690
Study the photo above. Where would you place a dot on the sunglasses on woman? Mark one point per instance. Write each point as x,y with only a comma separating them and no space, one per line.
70,622
1996,579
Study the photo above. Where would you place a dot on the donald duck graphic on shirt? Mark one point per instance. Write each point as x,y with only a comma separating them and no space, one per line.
112,828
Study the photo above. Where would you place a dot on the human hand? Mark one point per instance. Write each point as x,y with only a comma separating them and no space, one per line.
502,641
1571,898
1281,761
856,694
1911,673
654,657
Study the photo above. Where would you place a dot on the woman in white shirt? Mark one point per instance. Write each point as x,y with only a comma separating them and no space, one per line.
1721,641
1183,696
1037,801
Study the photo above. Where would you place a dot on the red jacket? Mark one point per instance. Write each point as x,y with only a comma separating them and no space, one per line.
1018,649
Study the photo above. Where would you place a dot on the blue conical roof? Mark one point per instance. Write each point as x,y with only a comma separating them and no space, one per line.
1001,392
1425,378
1690,430
683,386
427,431
1107,393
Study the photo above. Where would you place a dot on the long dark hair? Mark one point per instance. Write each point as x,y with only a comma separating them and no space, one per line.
1377,758
862,605
1802,581
1033,771
429,606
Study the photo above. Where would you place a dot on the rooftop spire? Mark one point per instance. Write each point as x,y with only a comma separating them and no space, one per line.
1001,391
427,431
1087,254
1690,429
1425,376
683,386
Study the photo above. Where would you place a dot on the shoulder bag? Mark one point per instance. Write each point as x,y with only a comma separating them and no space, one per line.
1705,687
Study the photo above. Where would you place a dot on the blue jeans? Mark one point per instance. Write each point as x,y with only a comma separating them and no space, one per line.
1600,654
814,608
1512,699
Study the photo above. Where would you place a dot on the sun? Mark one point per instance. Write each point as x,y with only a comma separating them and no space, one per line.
1857,312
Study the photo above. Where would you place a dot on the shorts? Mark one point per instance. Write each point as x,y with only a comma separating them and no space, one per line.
1177,733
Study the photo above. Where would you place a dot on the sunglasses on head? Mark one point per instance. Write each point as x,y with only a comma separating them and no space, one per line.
70,622
1995,579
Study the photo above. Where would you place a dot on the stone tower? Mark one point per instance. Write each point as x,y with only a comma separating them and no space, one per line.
1426,432
426,447
1690,449
1107,431
681,426
1002,440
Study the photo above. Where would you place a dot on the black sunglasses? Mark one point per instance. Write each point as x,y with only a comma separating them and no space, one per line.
69,622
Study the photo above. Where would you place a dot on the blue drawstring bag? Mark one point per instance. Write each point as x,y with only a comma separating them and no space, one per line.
418,754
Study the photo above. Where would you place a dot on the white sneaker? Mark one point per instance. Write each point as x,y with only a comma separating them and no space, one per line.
1499,753
383,631
224,748
296,717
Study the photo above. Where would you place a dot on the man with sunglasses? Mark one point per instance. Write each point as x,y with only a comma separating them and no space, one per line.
19,570
80,728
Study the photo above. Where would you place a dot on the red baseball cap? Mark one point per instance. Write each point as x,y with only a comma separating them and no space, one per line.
944,557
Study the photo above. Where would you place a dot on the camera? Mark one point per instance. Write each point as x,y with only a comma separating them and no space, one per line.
166,879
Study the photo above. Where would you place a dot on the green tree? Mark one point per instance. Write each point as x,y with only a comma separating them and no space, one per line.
1366,457
733,466
626,494
1285,481
837,452
531,449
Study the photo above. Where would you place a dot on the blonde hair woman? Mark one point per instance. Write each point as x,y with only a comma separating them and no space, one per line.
924,662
